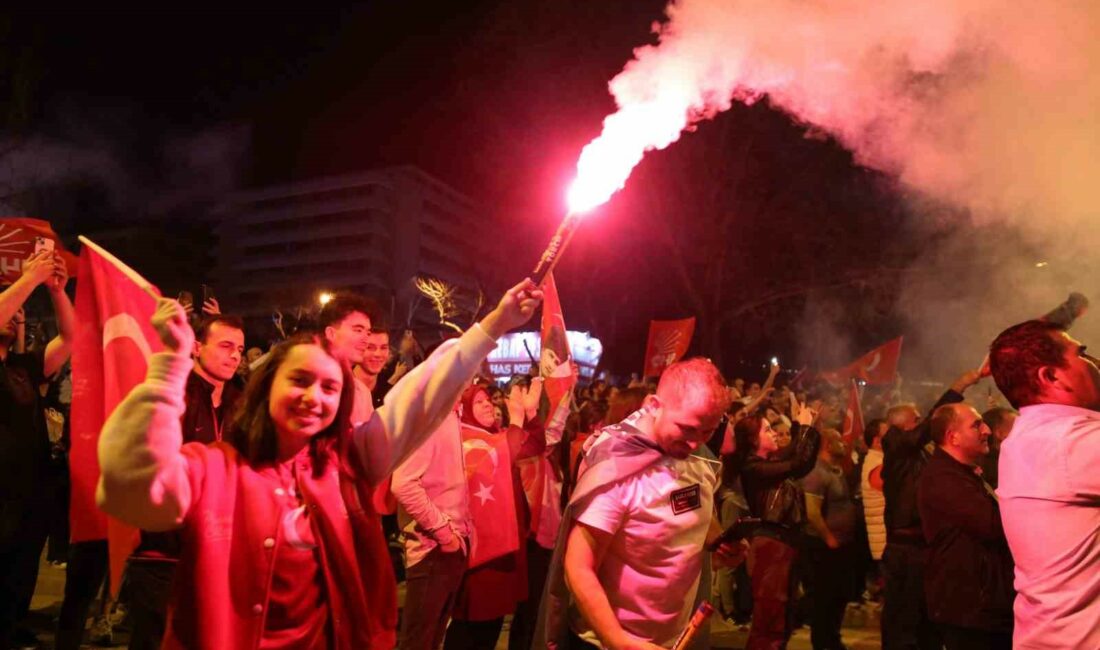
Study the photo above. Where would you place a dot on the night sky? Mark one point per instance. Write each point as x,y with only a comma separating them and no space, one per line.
497,99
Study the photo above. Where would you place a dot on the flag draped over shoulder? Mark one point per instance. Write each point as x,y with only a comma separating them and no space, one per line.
668,342
492,501
114,339
17,236
615,453
879,366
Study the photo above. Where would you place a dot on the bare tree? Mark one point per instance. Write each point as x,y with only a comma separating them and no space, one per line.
749,227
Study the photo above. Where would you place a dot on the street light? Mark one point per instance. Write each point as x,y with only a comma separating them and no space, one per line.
324,298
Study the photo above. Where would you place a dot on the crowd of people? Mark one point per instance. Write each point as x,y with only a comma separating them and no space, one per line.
282,494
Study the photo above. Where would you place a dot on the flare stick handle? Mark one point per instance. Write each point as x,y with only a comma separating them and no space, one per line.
555,248
698,620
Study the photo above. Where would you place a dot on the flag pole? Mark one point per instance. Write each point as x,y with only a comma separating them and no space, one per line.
134,276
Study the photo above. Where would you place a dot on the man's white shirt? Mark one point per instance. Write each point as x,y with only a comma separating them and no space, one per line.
1049,491
659,519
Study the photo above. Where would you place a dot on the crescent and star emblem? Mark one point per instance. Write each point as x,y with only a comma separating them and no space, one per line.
125,326
485,492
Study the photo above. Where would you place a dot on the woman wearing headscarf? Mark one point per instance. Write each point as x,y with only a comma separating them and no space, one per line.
491,591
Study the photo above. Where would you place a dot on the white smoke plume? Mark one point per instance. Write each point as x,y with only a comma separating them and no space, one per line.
27,164
202,167
991,106
988,104
192,169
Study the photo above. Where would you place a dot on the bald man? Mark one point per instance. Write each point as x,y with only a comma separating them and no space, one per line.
637,523
968,578
905,623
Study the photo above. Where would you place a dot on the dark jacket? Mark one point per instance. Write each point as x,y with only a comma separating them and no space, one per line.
25,476
770,486
201,421
968,577
904,457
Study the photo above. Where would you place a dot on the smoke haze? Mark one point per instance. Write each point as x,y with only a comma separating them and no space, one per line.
160,176
990,107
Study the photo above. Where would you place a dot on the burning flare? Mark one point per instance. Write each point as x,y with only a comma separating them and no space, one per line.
607,161
987,104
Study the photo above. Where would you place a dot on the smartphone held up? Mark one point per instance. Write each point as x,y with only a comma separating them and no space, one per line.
43,244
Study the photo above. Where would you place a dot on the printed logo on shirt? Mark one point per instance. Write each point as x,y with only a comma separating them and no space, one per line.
686,500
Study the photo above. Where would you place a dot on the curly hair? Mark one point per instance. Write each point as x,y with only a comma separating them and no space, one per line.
1018,353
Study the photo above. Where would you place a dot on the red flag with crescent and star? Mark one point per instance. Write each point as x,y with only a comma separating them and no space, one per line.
879,366
853,415
492,500
668,342
114,339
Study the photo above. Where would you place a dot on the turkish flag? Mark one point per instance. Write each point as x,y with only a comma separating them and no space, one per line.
668,343
492,502
17,237
114,339
879,366
853,415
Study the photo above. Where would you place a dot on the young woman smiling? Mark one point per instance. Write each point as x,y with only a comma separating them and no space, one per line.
273,553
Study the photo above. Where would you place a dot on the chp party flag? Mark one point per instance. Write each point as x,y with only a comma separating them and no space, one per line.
879,366
853,415
554,364
540,485
114,339
668,343
492,503
18,236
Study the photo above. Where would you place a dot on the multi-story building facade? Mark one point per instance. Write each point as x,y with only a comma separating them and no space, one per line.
371,232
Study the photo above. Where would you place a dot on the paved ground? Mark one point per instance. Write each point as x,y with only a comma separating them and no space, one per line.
861,630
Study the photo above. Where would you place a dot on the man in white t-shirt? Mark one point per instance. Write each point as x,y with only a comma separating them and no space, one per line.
634,553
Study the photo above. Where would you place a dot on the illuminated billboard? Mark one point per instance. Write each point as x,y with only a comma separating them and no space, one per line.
512,357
